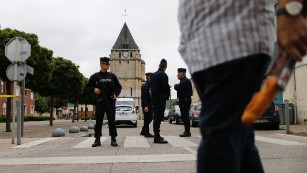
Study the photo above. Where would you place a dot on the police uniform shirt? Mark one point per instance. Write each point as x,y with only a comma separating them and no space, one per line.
103,78
146,94
184,88
159,84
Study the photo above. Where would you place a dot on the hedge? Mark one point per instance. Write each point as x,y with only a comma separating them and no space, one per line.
27,118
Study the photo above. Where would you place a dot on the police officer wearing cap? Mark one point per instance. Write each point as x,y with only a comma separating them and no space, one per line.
106,88
147,106
160,93
184,93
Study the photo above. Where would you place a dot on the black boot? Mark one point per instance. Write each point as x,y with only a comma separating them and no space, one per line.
158,139
148,135
96,143
186,132
113,142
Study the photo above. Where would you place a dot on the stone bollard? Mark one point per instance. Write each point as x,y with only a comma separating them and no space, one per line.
74,129
83,129
58,132
91,126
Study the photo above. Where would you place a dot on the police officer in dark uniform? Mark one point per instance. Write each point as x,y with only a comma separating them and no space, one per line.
147,106
184,93
160,93
106,88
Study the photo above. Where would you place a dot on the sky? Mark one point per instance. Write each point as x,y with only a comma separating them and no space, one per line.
82,31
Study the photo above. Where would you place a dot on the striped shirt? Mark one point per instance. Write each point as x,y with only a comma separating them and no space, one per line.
217,31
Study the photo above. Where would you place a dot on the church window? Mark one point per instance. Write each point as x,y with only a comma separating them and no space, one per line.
120,55
120,62
127,62
130,54
131,90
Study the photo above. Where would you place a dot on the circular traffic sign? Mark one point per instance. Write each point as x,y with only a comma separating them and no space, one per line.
20,70
18,49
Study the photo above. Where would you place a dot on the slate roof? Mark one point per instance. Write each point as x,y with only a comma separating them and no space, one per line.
125,40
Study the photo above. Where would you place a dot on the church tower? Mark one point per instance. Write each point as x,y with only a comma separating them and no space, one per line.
127,65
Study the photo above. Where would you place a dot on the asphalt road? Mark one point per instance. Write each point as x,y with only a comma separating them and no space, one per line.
41,153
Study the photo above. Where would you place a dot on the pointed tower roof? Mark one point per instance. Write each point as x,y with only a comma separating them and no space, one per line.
125,40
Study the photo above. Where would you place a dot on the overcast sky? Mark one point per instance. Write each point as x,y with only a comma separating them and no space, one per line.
83,31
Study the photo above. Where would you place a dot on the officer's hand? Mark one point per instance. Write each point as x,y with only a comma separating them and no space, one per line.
97,91
292,35
145,109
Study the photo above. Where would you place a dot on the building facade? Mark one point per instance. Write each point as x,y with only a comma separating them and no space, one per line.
29,102
127,64
296,90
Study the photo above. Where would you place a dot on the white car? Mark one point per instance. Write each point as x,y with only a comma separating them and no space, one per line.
166,114
125,101
125,114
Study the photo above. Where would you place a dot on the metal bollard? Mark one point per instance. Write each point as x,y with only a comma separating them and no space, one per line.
18,107
287,118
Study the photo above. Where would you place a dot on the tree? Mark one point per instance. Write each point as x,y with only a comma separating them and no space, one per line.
86,97
36,56
66,82
41,103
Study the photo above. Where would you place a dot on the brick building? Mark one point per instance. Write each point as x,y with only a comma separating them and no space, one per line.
29,104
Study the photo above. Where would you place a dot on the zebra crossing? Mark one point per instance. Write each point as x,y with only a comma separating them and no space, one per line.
174,141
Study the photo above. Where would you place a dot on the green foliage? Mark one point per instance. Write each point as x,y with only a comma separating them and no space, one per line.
41,103
28,118
87,117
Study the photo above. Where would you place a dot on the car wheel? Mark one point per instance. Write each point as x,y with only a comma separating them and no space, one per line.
135,124
275,127
170,120
177,120
193,124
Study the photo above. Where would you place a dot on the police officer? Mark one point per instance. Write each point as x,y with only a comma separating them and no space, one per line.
106,88
160,93
147,106
184,93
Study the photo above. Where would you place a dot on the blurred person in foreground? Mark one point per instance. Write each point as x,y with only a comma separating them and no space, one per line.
227,45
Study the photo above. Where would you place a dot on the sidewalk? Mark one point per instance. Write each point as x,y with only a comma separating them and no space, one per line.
298,130
42,129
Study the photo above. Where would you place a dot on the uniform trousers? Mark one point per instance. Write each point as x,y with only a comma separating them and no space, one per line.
147,119
109,109
184,105
158,109
228,146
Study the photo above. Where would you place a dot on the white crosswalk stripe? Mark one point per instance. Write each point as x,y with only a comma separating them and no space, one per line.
136,141
34,143
176,141
88,142
277,141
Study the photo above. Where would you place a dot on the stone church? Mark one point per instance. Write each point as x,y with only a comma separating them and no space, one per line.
127,65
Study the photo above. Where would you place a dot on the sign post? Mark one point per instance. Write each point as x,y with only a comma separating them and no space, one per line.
17,50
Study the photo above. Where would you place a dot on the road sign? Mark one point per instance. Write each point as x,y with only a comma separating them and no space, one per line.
30,69
18,49
21,72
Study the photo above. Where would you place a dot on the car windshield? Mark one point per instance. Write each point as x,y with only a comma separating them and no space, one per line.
198,107
125,103
123,108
